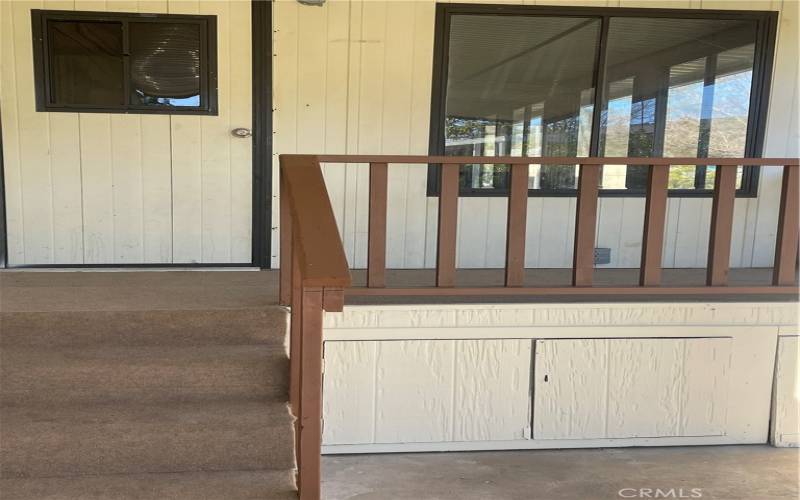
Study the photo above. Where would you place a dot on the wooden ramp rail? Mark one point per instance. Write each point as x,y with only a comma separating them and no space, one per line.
313,283
318,276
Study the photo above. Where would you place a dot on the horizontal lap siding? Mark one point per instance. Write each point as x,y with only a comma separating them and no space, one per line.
91,188
355,77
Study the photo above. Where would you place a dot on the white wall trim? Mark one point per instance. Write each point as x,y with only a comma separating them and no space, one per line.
526,444
496,320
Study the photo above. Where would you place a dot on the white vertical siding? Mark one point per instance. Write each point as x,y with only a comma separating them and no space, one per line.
370,93
91,188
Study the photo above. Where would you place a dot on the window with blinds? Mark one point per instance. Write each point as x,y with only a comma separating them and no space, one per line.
131,63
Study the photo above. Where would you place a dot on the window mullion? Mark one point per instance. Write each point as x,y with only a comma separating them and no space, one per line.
706,112
599,87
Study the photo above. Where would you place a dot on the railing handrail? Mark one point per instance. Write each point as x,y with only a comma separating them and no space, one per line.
556,160
320,252
315,272
313,276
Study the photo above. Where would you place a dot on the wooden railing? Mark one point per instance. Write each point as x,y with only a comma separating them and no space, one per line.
318,275
313,283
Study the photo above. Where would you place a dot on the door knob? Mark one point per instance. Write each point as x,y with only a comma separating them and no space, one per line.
241,132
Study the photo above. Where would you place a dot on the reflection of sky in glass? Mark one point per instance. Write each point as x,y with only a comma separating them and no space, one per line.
191,101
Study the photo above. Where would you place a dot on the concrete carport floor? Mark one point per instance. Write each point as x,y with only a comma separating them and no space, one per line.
752,472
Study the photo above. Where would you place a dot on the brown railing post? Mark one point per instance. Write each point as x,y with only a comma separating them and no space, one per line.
788,223
310,417
655,212
295,333
585,225
516,225
719,243
376,237
448,221
285,281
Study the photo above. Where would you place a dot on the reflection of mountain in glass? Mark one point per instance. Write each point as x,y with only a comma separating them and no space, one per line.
522,86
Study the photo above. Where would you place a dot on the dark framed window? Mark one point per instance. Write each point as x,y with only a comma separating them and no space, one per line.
124,63
582,81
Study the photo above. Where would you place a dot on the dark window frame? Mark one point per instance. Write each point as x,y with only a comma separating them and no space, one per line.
42,71
767,23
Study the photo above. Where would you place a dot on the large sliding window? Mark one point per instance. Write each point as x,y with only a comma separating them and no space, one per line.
571,82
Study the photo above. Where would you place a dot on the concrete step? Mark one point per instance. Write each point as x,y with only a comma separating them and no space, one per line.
237,485
107,374
267,325
135,438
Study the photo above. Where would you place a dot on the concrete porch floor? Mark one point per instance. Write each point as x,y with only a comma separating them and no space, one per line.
753,472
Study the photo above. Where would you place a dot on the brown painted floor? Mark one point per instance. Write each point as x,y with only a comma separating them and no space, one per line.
38,290
755,472
34,290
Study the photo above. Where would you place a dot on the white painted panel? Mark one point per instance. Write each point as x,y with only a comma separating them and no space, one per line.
705,379
97,178
629,252
570,388
492,385
462,390
67,216
414,391
609,227
627,388
156,189
239,50
349,392
12,147
786,399
215,166
126,172
473,231
556,232
100,188
643,399
35,160
743,366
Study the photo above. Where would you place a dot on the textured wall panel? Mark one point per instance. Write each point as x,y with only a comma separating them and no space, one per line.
349,392
426,391
627,388
786,400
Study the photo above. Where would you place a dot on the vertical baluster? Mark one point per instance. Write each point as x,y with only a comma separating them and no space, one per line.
448,219
585,225
285,278
310,419
515,227
655,212
719,244
788,223
376,247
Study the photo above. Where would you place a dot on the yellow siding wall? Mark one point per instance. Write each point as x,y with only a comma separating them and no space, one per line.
95,188
355,77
